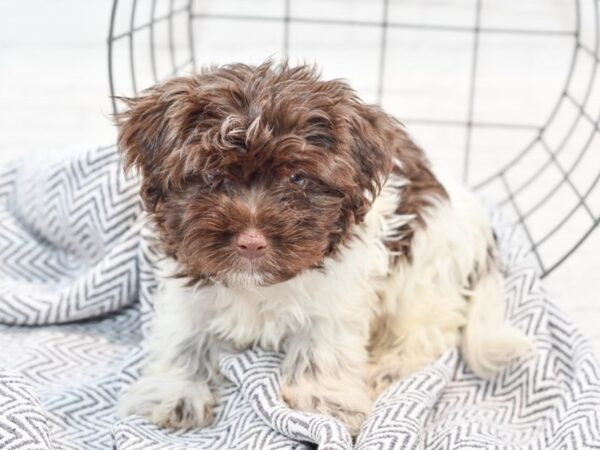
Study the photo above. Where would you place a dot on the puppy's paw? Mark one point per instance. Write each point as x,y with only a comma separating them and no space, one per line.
182,413
388,371
380,382
169,402
350,406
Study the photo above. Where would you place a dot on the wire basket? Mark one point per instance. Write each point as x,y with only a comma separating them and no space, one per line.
504,93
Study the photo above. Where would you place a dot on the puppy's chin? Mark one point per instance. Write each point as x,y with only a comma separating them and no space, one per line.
245,278
256,275
250,278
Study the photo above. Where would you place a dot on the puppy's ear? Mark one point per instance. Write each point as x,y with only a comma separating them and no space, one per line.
375,140
148,133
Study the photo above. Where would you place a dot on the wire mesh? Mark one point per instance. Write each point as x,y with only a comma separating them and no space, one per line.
547,180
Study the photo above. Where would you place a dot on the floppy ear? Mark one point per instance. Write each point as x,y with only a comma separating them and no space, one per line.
148,133
375,138
381,147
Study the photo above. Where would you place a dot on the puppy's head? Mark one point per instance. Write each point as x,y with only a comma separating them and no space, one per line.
255,174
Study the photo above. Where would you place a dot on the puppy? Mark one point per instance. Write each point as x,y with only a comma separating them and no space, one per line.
296,218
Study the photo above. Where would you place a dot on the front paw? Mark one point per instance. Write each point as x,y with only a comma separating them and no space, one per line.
348,404
169,402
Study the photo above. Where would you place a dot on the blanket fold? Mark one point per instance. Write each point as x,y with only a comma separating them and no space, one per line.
77,260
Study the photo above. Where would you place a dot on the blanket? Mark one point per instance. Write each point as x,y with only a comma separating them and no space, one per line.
77,281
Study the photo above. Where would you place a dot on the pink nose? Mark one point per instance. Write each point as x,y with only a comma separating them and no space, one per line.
251,244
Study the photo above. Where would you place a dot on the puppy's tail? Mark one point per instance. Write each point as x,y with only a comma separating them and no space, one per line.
489,340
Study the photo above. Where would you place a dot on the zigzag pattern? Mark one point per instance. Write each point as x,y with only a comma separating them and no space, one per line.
23,423
69,240
73,245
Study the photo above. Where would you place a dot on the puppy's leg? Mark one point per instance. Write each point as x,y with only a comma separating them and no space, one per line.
489,341
176,388
424,328
169,398
432,320
472,319
324,372
450,287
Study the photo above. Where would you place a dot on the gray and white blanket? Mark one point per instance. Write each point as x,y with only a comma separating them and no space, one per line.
76,290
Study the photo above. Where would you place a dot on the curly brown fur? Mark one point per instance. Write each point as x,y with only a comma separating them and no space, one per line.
206,142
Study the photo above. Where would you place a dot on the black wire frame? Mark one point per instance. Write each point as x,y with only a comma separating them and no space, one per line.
187,9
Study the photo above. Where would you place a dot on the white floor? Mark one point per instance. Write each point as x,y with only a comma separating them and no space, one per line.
54,93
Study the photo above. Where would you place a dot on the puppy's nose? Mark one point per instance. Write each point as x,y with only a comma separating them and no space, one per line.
251,244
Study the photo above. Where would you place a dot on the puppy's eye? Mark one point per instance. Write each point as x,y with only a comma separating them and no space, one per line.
298,179
212,178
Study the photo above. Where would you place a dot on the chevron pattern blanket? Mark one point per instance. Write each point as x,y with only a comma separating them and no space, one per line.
76,290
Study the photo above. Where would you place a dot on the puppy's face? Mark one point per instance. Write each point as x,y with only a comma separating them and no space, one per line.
254,174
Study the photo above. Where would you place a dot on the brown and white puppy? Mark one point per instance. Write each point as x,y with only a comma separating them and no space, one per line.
297,218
